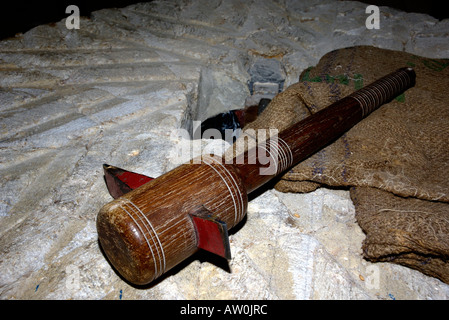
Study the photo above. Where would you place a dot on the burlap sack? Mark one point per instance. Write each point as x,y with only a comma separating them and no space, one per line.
395,162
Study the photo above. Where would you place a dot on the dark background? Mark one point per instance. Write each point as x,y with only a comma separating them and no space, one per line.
18,16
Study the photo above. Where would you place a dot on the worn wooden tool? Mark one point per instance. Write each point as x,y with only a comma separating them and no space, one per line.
154,224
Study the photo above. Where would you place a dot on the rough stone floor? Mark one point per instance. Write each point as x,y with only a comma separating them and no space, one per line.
115,90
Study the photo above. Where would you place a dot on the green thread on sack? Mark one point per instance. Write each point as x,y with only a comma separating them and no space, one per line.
344,79
341,79
432,64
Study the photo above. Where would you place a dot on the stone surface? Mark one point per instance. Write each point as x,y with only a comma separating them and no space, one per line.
115,90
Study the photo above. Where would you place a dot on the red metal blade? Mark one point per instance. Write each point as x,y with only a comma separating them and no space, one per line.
212,234
120,181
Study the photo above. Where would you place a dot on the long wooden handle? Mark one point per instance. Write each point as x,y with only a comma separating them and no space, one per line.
306,137
149,230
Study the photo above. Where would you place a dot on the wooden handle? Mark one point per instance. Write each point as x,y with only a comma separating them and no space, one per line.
149,230
306,137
